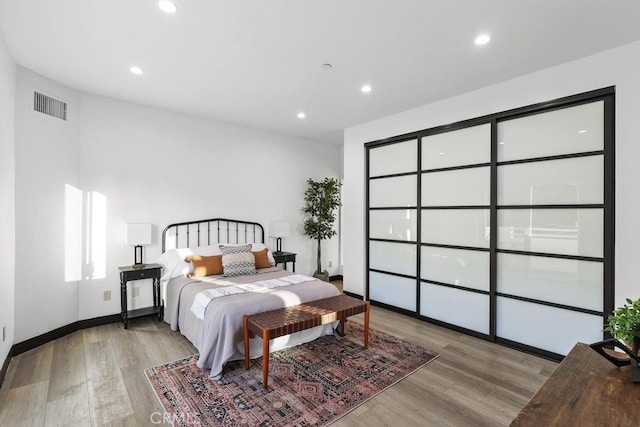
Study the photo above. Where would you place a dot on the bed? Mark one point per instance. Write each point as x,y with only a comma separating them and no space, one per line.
208,308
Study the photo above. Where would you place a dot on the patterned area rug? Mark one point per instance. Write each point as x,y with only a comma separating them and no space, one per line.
312,384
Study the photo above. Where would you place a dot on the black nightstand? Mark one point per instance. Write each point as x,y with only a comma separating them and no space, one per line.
149,271
284,258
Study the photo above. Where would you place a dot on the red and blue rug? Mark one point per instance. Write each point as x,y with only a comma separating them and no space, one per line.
312,384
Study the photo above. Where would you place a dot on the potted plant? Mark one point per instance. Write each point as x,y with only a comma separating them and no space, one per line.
321,198
624,324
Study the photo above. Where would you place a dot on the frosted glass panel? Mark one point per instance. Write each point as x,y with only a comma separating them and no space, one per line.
565,131
457,187
393,158
556,231
456,148
393,192
457,227
461,308
578,180
455,267
393,290
562,281
393,257
393,224
549,328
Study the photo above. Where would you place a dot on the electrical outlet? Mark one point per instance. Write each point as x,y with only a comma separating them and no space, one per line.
330,264
106,296
136,291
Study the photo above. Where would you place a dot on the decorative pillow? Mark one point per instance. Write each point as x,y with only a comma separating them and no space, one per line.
205,265
262,259
238,260
255,247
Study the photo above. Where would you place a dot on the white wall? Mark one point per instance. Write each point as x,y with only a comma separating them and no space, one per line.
160,167
7,197
149,166
47,158
619,67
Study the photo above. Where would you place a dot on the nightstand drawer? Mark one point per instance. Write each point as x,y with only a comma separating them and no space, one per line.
143,273
285,258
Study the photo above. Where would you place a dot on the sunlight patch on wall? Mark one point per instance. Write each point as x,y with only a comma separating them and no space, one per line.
85,252
96,235
72,233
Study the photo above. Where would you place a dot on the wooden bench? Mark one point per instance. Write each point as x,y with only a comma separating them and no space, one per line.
285,321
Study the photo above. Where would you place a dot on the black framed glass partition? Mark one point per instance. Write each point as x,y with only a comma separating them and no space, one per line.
500,226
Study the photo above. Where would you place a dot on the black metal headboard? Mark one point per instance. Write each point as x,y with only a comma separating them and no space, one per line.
205,232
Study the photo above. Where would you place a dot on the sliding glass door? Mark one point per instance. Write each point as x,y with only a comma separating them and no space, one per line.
501,226
550,242
455,230
393,224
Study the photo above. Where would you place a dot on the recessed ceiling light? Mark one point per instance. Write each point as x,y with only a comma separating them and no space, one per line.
482,39
582,131
366,88
501,142
136,70
167,6
301,115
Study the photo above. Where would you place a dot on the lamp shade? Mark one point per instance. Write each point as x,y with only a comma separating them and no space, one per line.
279,229
138,234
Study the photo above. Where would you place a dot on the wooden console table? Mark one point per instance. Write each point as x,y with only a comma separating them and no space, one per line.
287,320
584,390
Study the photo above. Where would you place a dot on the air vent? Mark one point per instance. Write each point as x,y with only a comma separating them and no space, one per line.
49,106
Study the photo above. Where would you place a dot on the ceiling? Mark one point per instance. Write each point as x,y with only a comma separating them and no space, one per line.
258,63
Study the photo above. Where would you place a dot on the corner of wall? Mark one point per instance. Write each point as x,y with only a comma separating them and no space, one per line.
7,200
41,183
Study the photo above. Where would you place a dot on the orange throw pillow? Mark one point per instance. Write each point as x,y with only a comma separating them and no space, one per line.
205,265
262,261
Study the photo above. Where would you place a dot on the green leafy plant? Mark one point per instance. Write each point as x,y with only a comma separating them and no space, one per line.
624,323
321,198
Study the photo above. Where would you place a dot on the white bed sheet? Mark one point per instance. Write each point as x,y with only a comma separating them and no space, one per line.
219,336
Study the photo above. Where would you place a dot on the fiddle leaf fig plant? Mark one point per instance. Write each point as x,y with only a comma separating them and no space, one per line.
321,198
624,323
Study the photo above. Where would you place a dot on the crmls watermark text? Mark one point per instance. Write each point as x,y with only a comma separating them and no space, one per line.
163,417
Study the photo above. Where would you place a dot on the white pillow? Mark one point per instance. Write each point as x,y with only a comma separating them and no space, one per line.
173,263
204,250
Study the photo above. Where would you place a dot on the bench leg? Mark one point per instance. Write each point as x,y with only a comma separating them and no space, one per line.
246,341
265,357
366,324
341,326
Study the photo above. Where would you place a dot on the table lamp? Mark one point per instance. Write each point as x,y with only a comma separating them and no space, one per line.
138,235
279,229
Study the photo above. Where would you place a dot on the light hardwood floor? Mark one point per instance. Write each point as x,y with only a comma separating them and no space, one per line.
94,377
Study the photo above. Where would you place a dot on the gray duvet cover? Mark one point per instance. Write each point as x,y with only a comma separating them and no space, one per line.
219,335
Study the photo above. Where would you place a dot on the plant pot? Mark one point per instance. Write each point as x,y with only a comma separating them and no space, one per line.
634,345
324,275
